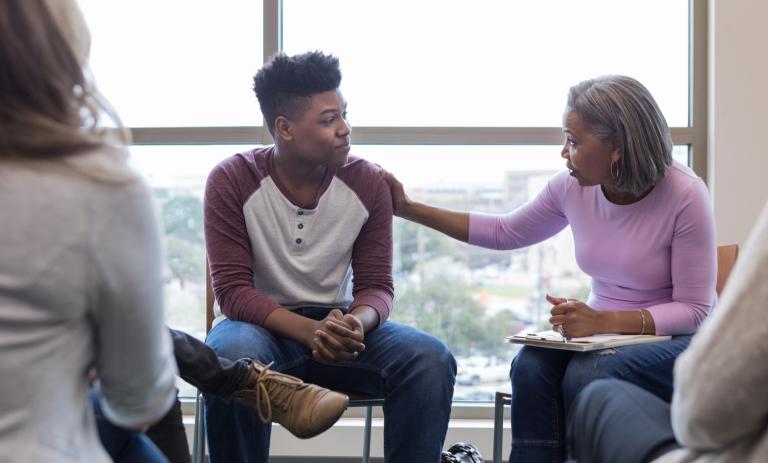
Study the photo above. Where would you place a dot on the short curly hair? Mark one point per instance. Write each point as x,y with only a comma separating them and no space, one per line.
285,84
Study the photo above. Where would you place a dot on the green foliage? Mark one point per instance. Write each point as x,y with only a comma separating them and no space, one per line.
186,260
184,238
410,236
445,308
183,218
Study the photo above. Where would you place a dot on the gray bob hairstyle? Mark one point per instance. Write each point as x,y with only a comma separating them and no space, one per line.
620,110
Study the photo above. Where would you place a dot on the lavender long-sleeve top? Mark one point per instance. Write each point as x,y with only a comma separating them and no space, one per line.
657,254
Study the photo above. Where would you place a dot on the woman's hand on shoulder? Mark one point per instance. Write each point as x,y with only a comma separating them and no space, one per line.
400,200
574,319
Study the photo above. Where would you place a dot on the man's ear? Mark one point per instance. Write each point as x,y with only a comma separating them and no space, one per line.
283,128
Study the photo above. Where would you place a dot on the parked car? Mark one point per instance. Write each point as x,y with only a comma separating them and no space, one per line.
476,370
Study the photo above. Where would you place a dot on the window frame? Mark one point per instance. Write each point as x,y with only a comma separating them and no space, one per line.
694,134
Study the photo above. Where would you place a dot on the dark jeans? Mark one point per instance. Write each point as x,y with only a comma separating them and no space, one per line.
200,367
613,420
545,383
123,445
169,435
413,370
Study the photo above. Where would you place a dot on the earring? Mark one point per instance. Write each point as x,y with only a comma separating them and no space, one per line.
616,172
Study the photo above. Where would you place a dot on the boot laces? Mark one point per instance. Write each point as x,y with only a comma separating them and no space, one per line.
274,390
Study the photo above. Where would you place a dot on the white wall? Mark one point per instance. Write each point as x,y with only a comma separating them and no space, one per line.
738,114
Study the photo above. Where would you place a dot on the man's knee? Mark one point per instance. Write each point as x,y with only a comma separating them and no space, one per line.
434,358
415,354
235,340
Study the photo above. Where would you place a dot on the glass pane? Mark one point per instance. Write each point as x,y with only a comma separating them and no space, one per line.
491,293
177,62
490,62
680,154
177,176
467,296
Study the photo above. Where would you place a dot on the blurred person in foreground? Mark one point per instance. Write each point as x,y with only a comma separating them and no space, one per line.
80,259
81,303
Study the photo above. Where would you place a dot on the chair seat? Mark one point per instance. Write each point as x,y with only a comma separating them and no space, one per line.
357,399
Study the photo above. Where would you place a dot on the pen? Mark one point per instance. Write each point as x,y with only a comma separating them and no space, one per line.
562,332
560,326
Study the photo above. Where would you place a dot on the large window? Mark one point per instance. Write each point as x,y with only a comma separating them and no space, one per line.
177,63
490,63
461,100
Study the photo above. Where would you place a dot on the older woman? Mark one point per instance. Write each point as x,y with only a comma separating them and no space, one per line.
644,232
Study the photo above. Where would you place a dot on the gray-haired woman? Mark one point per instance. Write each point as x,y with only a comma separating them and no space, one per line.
644,231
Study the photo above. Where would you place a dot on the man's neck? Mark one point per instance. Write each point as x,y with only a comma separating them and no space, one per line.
302,179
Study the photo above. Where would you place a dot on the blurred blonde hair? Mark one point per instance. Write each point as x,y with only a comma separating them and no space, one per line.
49,106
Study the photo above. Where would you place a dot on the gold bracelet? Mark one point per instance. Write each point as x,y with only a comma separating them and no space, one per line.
642,318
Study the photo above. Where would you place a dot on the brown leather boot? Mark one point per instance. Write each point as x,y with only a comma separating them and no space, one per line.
304,409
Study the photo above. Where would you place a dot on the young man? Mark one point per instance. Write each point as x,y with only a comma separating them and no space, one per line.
287,227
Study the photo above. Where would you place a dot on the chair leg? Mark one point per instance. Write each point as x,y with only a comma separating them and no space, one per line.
498,424
367,434
198,440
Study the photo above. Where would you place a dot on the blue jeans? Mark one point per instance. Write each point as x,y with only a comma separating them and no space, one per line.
199,366
545,383
123,445
613,420
413,370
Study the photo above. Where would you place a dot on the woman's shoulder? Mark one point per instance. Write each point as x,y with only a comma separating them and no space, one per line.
561,185
562,179
681,188
97,170
682,178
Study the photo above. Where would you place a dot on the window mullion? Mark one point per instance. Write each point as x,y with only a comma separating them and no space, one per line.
376,135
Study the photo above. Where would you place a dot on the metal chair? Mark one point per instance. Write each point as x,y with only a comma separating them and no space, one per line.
502,398
355,399
726,259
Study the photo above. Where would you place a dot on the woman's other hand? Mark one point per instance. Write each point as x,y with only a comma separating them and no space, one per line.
576,318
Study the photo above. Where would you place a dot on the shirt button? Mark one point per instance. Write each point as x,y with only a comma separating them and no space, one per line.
301,225
298,240
301,212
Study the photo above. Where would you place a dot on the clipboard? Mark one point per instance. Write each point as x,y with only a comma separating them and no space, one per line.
553,340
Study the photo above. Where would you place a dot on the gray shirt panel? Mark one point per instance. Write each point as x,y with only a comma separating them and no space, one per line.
80,286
